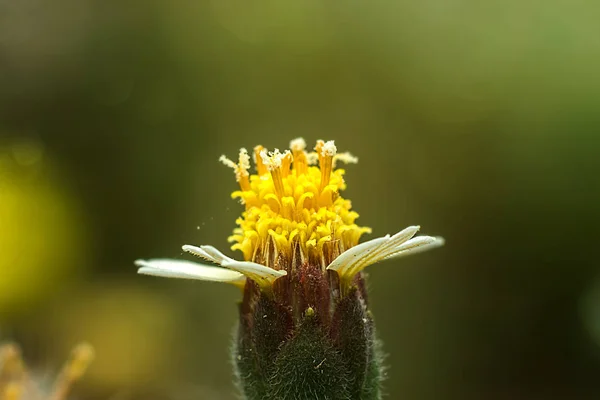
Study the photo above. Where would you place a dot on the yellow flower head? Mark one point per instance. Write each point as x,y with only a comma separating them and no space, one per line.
294,208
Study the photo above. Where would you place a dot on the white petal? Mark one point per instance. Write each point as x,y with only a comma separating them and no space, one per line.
383,251
188,270
261,274
350,262
355,254
414,247
354,260
209,253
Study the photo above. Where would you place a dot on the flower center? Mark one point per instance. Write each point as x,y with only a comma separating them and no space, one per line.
294,208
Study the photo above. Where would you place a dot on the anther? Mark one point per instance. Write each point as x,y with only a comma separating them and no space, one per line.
273,161
243,167
297,144
240,169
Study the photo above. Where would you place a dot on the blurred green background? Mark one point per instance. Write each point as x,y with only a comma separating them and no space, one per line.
477,120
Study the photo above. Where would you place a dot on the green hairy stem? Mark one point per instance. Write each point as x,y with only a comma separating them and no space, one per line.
311,357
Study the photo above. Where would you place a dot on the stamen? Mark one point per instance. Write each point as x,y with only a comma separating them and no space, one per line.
260,166
318,150
326,153
273,161
346,158
240,169
278,181
244,160
227,162
300,162
297,144
329,149
243,167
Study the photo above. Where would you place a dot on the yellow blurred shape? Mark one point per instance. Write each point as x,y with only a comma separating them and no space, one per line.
16,382
12,391
81,357
40,229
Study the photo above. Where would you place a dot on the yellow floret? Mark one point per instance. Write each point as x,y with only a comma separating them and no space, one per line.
292,206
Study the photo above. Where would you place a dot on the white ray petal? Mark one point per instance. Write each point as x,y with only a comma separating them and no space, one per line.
261,274
367,253
355,254
393,242
354,260
209,253
427,243
188,270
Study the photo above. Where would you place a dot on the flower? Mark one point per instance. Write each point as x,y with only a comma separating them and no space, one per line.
304,292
